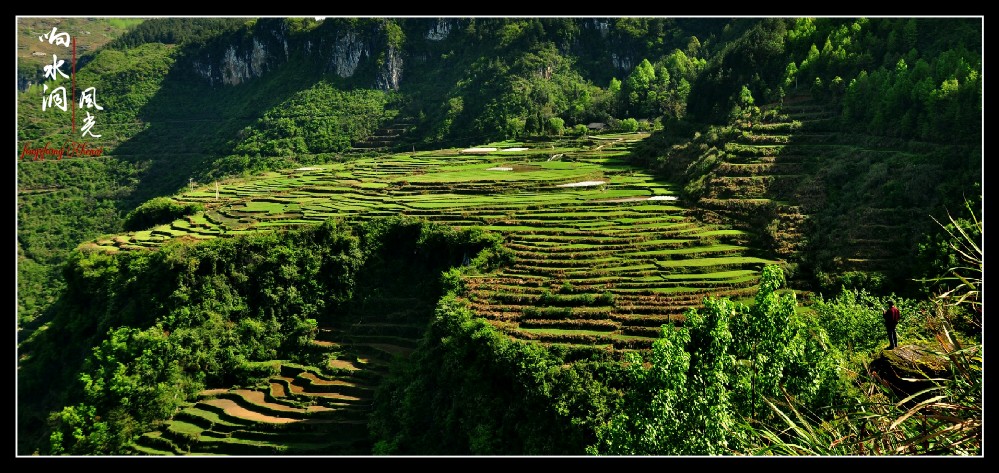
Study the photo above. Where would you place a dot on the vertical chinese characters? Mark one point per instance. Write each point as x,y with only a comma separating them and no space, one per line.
57,97
89,99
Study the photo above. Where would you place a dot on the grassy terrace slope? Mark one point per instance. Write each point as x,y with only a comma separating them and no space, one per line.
300,410
829,203
839,202
604,254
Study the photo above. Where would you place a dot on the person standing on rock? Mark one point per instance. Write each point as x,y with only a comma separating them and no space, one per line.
891,316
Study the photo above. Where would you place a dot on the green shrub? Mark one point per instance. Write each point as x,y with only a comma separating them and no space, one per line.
452,281
628,125
158,211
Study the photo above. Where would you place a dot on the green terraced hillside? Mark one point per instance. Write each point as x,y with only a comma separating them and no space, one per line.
604,253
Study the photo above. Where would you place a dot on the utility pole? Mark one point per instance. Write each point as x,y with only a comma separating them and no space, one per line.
190,183
216,190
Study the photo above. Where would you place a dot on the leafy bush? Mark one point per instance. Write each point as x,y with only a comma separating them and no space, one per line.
854,323
628,125
158,211
453,281
701,380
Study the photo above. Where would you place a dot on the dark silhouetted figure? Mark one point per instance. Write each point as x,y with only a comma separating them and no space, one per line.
891,316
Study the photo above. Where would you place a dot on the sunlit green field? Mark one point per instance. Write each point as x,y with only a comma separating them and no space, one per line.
609,246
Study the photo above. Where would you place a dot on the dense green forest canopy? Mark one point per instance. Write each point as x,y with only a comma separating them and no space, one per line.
848,149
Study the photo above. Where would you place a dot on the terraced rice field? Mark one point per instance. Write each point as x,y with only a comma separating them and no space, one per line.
766,178
303,411
299,410
604,253
604,256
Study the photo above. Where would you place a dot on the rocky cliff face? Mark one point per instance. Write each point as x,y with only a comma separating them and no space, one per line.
603,26
230,61
343,49
617,55
440,30
346,54
360,50
622,62
239,67
390,74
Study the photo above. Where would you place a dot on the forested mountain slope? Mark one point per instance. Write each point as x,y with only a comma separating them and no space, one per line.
217,276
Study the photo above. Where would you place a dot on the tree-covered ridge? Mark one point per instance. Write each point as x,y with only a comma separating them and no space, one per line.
849,129
901,77
314,126
176,31
542,76
138,333
515,76
547,76
908,78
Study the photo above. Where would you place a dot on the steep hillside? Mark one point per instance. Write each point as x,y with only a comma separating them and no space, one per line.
590,258
845,207
844,176
283,241
191,100
603,255
136,335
